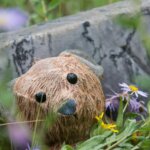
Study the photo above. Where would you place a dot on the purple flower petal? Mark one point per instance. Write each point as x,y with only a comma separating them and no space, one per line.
123,85
136,107
112,103
12,19
112,106
19,136
144,94
35,148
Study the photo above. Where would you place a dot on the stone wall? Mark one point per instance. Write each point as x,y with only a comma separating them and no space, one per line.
119,50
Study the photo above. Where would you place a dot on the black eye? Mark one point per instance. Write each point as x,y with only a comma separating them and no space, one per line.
40,97
72,78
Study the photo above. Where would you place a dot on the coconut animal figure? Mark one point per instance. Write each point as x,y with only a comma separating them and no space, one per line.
67,85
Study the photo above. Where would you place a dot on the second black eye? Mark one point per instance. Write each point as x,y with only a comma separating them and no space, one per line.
72,78
40,97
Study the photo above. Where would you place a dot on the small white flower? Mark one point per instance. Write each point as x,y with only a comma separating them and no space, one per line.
133,89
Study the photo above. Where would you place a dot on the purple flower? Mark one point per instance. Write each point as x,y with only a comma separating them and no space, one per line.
12,19
19,136
136,107
35,148
112,106
132,89
112,103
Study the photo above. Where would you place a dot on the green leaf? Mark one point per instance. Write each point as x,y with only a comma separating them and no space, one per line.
145,145
66,147
130,124
146,126
54,4
126,145
110,139
94,141
148,108
130,115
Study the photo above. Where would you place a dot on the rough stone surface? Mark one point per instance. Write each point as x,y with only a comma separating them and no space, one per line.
119,50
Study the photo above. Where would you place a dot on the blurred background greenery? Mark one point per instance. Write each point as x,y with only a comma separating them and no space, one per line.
44,10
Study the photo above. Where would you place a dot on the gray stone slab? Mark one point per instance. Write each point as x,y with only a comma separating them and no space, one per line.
119,50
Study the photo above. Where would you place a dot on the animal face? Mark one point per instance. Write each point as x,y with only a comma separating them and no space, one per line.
65,86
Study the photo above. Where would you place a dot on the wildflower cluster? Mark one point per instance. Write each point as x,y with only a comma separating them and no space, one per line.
124,108
130,96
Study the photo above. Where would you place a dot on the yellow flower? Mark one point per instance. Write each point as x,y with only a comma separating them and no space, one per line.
98,118
133,88
135,136
111,127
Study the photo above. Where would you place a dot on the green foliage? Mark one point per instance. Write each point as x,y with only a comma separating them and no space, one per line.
132,135
54,4
6,97
143,82
108,140
50,119
146,43
66,147
44,10
128,21
4,140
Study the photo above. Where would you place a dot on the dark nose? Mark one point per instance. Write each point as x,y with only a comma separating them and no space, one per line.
68,108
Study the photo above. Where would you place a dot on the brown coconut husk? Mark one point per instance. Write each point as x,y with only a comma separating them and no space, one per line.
49,76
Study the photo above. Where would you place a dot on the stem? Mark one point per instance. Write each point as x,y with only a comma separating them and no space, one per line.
21,122
33,10
120,114
125,107
114,145
35,127
44,10
145,123
137,146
